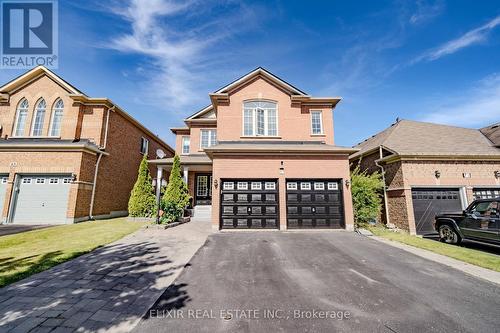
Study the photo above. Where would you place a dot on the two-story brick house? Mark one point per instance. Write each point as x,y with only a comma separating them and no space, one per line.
262,155
66,157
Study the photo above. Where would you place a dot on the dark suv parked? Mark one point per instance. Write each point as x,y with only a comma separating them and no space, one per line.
479,222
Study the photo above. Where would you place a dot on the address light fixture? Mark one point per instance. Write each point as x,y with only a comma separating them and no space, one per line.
437,174
497,174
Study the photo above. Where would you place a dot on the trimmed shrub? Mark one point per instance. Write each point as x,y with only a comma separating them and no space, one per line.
177,193
142,202
366,199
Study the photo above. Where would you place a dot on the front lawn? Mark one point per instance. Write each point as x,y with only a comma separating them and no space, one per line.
24,254
475,257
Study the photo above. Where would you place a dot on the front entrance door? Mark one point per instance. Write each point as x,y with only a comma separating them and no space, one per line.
203,190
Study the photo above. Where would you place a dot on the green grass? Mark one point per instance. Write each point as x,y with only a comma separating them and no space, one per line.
24,254
475,257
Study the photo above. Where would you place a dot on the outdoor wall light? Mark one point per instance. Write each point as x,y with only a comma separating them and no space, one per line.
497,174
437,173
216,184
347,182
73,177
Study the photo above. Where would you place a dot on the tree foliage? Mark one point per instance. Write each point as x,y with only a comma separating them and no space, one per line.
142,202
176,196
366,196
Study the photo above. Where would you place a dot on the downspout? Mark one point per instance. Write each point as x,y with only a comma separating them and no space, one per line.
102,149
386,207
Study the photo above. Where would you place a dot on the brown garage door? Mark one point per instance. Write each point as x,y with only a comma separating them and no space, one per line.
427,202
314,203
249,204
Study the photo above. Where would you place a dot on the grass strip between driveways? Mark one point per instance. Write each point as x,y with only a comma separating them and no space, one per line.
24,254
475,257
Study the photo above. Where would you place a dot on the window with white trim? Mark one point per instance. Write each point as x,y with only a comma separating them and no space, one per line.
21,116
260,118
270,186
26,180
305,186
228,186
316,122
319,186
40,180
185,144
56,121
39,118
291,186
144,146
333,186
256,186
54,181
208,137
242,186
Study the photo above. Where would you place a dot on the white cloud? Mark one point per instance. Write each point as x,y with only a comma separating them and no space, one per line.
178,40
477,107
470,38
426,11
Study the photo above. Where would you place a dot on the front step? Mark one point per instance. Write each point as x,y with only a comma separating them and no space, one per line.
204,211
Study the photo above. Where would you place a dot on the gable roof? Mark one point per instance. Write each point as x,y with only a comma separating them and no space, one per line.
492,132
412,138
34,74
260,71
201,113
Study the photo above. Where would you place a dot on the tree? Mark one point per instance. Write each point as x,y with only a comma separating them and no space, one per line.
366,197
142,202
176,196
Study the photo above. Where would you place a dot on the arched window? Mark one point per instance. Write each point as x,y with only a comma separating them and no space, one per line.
57,114
37,128
260,118
21,115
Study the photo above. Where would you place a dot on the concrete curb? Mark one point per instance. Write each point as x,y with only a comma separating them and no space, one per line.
476,271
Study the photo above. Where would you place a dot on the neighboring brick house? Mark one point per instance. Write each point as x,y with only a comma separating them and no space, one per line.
430,168
66,157
262,155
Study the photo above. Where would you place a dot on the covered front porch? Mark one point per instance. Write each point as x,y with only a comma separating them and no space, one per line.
197,173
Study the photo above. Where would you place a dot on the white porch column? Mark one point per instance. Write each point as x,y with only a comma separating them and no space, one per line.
159,175
185,174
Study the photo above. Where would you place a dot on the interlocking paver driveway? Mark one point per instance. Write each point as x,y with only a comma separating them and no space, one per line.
106,290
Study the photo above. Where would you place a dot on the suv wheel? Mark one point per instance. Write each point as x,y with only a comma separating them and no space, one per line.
448,234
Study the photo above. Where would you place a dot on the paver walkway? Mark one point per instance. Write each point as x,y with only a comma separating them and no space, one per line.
107,290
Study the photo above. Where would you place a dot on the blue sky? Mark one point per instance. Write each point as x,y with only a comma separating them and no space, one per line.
423,60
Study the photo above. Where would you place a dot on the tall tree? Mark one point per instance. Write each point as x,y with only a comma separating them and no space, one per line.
142,202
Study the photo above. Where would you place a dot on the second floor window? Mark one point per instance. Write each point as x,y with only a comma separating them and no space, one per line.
316,122
185,145
56,122
144,146
21,115
260,118
39,118
208,138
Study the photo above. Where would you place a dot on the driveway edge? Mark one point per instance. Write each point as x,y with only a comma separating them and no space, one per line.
476,271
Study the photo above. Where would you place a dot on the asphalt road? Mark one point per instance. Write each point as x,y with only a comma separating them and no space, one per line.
360,284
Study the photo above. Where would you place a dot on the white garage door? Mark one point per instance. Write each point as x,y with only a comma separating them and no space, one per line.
3,189
42,199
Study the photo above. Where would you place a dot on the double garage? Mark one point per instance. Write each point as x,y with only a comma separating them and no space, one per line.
255,204
428,202
37,199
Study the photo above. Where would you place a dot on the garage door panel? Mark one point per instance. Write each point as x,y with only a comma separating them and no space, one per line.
42,199
428,202
486,193
249,204
314,203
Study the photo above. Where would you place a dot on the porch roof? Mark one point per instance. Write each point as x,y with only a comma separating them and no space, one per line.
186,160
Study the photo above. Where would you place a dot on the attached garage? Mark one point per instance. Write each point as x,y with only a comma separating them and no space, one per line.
41,199
314,203
427,202
249,204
